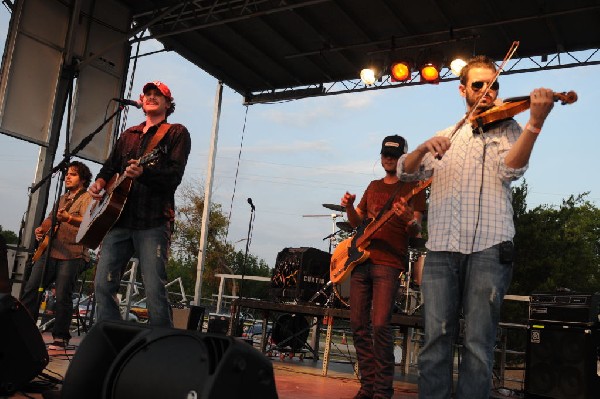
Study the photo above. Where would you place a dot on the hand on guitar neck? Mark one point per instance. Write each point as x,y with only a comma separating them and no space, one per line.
132,171
403,211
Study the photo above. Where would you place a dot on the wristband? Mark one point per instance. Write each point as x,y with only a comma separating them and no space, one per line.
533,129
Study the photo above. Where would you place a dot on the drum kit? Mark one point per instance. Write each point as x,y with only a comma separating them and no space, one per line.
408,297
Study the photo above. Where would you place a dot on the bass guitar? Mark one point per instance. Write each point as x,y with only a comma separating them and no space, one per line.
353,251
102,214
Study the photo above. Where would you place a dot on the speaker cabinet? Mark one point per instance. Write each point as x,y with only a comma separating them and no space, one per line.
120,360
188,317
23,354
299,273
562,362
218,324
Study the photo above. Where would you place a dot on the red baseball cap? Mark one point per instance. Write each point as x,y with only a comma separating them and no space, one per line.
163,88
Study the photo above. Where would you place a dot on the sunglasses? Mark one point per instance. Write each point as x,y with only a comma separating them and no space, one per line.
479,85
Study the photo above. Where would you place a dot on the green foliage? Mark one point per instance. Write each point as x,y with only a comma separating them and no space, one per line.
221,256
557,247
9,236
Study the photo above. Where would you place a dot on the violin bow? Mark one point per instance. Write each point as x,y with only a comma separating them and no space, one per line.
511,51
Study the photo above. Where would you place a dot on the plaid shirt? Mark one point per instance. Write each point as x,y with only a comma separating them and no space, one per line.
151,200
465,215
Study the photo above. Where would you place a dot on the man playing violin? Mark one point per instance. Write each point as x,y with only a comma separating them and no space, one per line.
468,268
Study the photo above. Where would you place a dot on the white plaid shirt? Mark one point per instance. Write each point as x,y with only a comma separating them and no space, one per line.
464,215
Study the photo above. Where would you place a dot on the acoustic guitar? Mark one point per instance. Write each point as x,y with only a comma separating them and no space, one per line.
102,214
353,251
45,240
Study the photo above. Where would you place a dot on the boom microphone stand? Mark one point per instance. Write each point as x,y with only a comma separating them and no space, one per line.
237,323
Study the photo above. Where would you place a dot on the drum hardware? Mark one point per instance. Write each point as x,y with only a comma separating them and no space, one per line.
413,257
330,297
345,226
335,207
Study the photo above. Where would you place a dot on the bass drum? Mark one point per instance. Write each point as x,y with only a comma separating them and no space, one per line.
342,292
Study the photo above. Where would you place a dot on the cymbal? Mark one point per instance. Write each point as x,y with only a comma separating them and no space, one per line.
344,226
335,207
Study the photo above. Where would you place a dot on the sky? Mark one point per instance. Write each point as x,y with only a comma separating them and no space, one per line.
298,155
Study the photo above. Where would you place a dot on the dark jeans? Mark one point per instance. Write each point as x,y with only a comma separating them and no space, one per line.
372,293
119,245
64,273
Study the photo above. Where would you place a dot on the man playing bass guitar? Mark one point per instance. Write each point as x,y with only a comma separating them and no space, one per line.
375,281
67,258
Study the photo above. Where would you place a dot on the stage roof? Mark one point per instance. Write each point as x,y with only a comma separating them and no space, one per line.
272,50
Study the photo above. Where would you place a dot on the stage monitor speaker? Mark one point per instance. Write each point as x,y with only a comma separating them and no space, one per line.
299,273
23,354
120,360
562,362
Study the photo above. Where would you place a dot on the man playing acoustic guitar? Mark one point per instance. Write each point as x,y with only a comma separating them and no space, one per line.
374,282
67,258
143,227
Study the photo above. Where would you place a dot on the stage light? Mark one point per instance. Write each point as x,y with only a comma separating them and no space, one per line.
367,75
430,73
400,71
457,65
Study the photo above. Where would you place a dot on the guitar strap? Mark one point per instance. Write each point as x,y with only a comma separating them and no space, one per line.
389,202
79,194
160,133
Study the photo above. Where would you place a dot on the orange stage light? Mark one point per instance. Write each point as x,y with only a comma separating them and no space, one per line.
400,71
430,73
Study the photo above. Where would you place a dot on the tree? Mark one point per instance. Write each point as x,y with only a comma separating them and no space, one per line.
221,256
556,247
9,236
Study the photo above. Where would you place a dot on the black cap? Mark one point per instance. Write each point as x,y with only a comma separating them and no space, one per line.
394,146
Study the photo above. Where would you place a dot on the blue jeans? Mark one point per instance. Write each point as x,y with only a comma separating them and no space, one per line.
372,293
64,273
474,284
151,248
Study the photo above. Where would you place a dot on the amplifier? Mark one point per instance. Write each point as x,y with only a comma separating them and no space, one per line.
299,273
563,307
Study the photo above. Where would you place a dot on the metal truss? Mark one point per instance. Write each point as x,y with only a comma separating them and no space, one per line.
518,65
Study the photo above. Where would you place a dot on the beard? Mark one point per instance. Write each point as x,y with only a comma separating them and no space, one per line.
485,104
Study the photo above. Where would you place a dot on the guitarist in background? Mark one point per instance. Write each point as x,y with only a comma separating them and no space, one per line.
67,258
374,283
144,226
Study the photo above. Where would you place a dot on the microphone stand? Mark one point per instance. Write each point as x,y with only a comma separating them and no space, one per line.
237,322
65,161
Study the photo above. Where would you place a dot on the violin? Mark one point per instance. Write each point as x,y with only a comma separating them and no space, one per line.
512,106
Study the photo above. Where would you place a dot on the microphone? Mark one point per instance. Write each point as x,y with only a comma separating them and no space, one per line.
251,204
125,101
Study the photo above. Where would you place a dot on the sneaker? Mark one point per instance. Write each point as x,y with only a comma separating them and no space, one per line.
59,344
